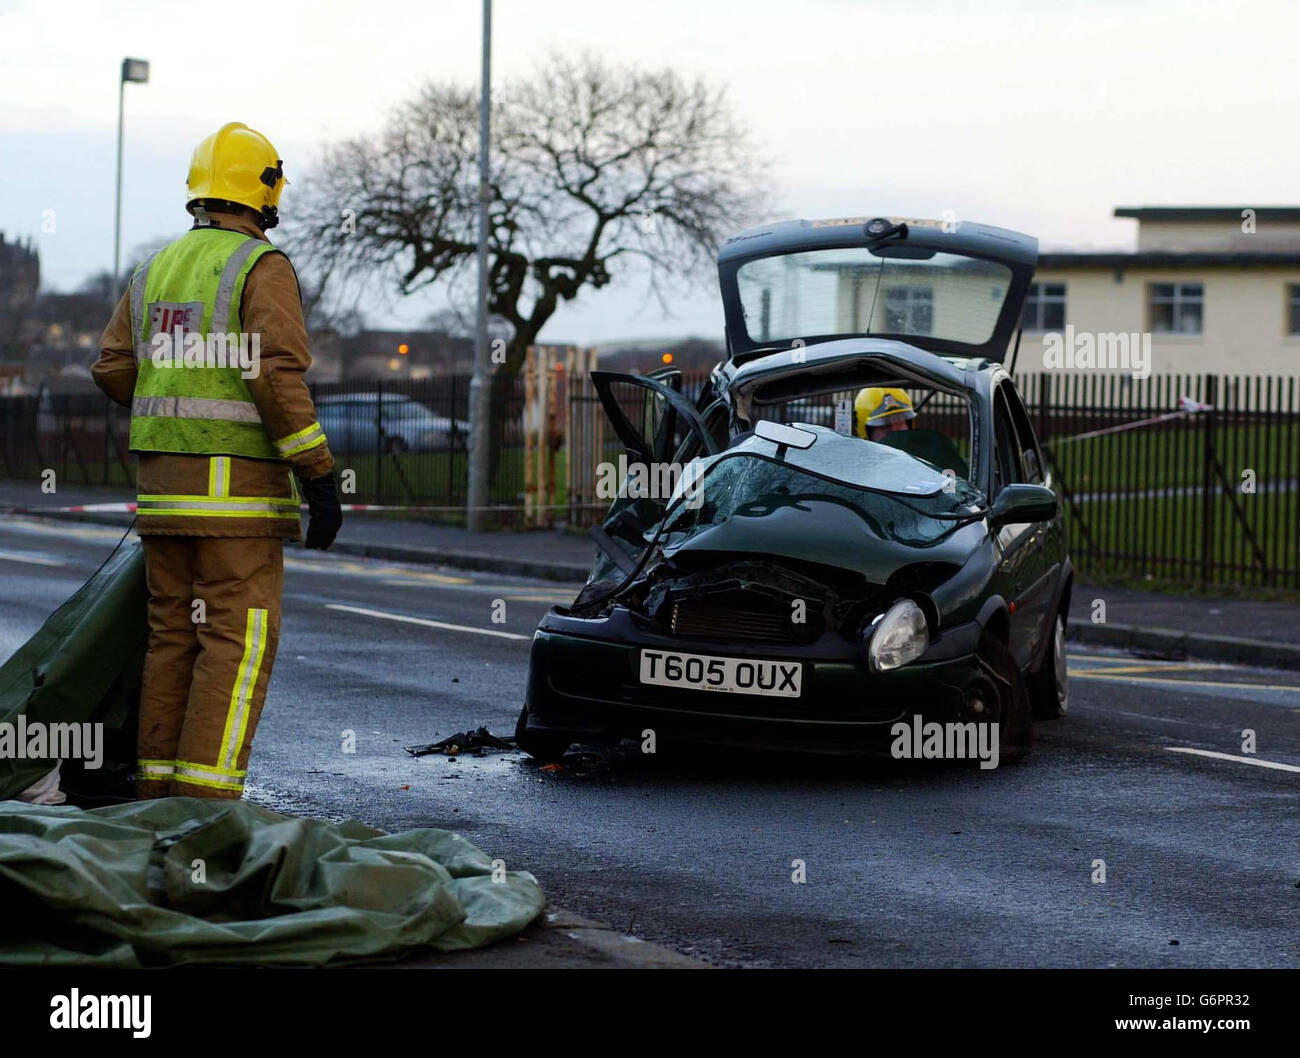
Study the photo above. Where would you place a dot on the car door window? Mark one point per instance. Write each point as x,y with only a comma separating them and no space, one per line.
1007,465
1031,460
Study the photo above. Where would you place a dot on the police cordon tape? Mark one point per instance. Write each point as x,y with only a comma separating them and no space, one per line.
130,508
1188,407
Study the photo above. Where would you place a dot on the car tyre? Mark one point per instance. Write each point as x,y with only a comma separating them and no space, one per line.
543,746
1014,712
1049,687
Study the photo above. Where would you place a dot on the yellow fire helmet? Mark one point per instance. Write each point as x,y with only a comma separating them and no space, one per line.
876,406
237,164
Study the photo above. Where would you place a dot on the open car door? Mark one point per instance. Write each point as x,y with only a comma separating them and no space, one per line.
661,431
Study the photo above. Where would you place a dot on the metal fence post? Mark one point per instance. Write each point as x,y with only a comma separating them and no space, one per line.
452,411
379,441
1207,481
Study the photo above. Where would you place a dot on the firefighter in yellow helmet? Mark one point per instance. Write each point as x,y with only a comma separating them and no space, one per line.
208,349
879,411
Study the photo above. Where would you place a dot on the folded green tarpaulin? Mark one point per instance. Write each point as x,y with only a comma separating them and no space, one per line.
192,880
82,666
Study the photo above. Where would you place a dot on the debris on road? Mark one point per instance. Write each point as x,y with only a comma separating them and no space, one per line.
478,742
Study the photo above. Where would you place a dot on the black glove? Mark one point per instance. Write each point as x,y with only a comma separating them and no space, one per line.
324,515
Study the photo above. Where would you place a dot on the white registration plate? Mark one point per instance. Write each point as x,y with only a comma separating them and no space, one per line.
703,672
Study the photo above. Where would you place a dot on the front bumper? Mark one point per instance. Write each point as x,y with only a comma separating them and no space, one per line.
584,681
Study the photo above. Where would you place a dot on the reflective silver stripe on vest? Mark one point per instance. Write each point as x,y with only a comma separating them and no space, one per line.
139,325
196,408
226,286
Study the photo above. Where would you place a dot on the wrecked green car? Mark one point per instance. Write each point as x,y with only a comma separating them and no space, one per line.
848,534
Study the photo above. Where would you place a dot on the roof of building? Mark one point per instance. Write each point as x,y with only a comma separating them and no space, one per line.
1207,212
1169,259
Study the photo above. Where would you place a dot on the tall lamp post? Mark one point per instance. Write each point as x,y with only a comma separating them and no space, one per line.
480,386
136,71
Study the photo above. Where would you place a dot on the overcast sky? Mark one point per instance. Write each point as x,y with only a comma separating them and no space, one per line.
1038,115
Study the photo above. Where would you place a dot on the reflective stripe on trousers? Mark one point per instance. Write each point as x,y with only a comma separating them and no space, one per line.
187,771
250,667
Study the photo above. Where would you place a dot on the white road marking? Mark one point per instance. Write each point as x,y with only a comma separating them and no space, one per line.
424,621
35,560
1228,756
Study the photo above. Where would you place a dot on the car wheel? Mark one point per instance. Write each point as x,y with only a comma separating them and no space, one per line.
543,746
1012,710
1049,687
395,445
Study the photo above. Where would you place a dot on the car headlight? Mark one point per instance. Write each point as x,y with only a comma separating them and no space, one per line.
898,637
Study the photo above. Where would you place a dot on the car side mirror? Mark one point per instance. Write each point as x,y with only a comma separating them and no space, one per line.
1023,503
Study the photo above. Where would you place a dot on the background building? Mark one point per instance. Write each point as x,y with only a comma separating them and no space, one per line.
1218,289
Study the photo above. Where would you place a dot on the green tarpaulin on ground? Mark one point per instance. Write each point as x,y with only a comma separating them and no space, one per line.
82,666
191,880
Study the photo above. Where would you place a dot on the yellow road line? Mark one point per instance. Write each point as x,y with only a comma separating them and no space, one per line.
1086,674
1167,667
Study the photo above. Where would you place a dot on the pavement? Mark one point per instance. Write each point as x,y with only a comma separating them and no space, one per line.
1147,623
1140,832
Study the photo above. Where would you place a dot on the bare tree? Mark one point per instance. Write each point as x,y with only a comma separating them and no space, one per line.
592,167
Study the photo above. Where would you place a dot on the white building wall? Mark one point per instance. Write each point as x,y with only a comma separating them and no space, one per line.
1243,326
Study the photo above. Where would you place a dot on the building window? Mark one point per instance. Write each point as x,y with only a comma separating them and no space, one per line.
909,310
1044,307
1177,308
1293,308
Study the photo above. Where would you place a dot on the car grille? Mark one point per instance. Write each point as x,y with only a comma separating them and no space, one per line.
725,622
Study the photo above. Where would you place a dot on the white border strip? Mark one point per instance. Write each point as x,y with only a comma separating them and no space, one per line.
1228,756
426,622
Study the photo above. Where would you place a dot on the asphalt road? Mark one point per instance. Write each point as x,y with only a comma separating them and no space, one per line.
905,866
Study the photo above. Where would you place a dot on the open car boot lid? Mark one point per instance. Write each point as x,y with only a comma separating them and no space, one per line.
952,288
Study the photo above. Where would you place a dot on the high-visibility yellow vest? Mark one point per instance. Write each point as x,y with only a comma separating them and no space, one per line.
190,393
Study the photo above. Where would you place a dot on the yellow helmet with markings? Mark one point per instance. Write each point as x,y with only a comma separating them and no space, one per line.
877,405
237,164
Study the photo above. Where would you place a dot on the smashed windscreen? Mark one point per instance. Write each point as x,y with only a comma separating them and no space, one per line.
851,291
899,498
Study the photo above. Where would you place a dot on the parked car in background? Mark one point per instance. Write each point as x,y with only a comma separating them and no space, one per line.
388,422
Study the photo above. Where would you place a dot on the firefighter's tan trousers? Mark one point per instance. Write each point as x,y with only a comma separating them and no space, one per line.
214,624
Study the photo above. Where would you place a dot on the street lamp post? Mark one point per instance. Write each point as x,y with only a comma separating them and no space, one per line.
136,71
480,391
